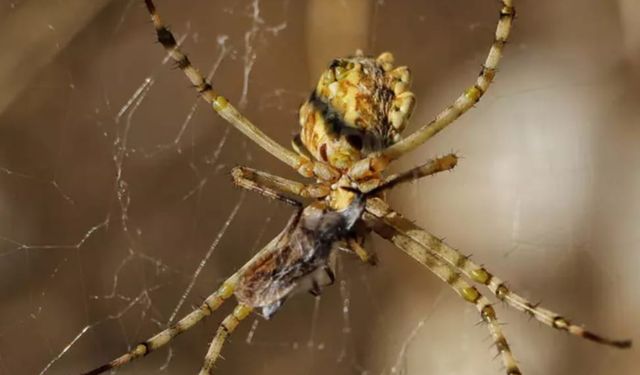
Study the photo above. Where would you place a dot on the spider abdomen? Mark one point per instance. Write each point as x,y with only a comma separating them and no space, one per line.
360,106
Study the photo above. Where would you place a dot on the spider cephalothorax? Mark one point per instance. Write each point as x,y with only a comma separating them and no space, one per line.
360,106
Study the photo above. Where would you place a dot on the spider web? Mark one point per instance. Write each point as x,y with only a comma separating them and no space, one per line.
119,214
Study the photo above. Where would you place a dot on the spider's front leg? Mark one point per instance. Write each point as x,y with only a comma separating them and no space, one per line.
210,304
429,168
298,259
482,276
225,329
454,278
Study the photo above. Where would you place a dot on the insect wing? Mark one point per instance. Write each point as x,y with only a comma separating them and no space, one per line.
268,279
292,263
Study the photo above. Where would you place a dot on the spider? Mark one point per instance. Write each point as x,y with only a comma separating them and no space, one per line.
350,132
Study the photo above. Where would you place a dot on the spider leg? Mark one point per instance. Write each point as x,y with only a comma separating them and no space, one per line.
431,167
352,246
452,277
210,304
365,255
225,329
266,184
481,276
300,148
227,111
461,105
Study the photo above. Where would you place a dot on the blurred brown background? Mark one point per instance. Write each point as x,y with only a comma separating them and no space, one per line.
114,183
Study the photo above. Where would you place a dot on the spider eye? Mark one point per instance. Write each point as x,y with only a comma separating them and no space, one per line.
355,141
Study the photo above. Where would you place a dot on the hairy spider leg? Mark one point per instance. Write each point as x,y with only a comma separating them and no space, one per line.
228,112
210,304
462,104
265,184
225,329
480,275
429,168
454,279
257,181
254,180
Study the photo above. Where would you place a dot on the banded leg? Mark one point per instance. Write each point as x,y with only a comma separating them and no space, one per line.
461,105
227,111
225,329
454,278
481,276
261,182
431,167
210,304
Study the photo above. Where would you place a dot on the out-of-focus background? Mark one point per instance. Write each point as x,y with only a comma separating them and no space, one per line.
118,215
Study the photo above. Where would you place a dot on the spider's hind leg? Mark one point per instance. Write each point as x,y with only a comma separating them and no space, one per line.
379,161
